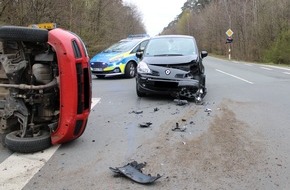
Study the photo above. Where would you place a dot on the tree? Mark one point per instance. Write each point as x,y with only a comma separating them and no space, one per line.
98,22
257,24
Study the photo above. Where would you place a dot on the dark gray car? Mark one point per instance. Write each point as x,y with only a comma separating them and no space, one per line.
171,64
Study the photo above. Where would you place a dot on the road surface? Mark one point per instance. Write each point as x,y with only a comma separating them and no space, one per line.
238,139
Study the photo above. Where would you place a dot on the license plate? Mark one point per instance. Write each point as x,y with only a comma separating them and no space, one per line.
97,69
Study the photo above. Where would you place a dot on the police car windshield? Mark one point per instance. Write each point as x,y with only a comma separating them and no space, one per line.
122,46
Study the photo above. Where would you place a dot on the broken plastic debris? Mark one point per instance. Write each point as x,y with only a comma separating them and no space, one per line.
156,109
180,102
137,112
198,100
177,128
133,171
207,110
145,124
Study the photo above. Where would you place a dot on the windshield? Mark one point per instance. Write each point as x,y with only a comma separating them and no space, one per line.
171,46
122,46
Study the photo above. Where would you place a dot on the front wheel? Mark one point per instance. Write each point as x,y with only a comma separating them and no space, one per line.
15,143
130,70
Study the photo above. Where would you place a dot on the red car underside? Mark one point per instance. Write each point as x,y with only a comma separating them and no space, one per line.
74,85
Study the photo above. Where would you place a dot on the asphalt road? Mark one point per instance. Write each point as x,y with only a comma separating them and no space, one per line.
238,139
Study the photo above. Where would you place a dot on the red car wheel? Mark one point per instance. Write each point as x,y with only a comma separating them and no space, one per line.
18,33
15,143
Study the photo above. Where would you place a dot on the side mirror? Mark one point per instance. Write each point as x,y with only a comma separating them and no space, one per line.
139,54
203,54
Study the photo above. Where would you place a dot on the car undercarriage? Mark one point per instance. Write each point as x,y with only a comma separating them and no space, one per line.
30,93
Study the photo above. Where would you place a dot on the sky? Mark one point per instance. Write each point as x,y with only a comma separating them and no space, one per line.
157,14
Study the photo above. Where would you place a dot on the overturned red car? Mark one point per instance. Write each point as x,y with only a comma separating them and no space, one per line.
45,87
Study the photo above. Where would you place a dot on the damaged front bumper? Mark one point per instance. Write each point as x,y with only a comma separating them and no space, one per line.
186,87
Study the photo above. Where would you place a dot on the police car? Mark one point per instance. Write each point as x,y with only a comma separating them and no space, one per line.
120,58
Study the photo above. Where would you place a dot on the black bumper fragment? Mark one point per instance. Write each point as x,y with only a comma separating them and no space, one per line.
133,171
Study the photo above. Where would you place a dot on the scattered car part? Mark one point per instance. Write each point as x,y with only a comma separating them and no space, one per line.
133,171
207,110
177,128
45,87
137,112
156,109
180,102
145,124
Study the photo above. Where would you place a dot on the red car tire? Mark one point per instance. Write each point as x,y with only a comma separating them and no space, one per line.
18,33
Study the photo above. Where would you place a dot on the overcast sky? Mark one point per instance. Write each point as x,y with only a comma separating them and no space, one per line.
157,14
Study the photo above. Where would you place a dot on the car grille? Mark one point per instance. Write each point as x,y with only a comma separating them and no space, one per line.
155,73
192,67
99,65
165,85
83,82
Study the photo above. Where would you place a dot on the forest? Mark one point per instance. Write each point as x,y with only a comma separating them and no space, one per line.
98,22
261,27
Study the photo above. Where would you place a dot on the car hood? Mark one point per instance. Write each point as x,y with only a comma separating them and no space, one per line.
170,60
105,56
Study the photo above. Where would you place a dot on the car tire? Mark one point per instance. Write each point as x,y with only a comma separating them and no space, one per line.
130,70
27,144
18,33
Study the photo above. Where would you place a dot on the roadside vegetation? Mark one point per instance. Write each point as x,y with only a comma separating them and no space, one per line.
261,27
98,22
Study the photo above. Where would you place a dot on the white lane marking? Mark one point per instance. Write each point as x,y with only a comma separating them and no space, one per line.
266,68
95,101
277,67
18,169
235,76
287,73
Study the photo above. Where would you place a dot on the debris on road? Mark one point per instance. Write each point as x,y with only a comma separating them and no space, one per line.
208,110
145,124
133,171
177,128
180,102
137,112
156,109
191,123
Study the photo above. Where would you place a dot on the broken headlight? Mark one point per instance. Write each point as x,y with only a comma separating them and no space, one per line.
143,68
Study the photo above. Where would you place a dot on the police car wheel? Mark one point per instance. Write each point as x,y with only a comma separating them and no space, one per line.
130,70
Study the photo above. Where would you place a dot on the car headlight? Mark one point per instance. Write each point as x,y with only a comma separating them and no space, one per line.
143,68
